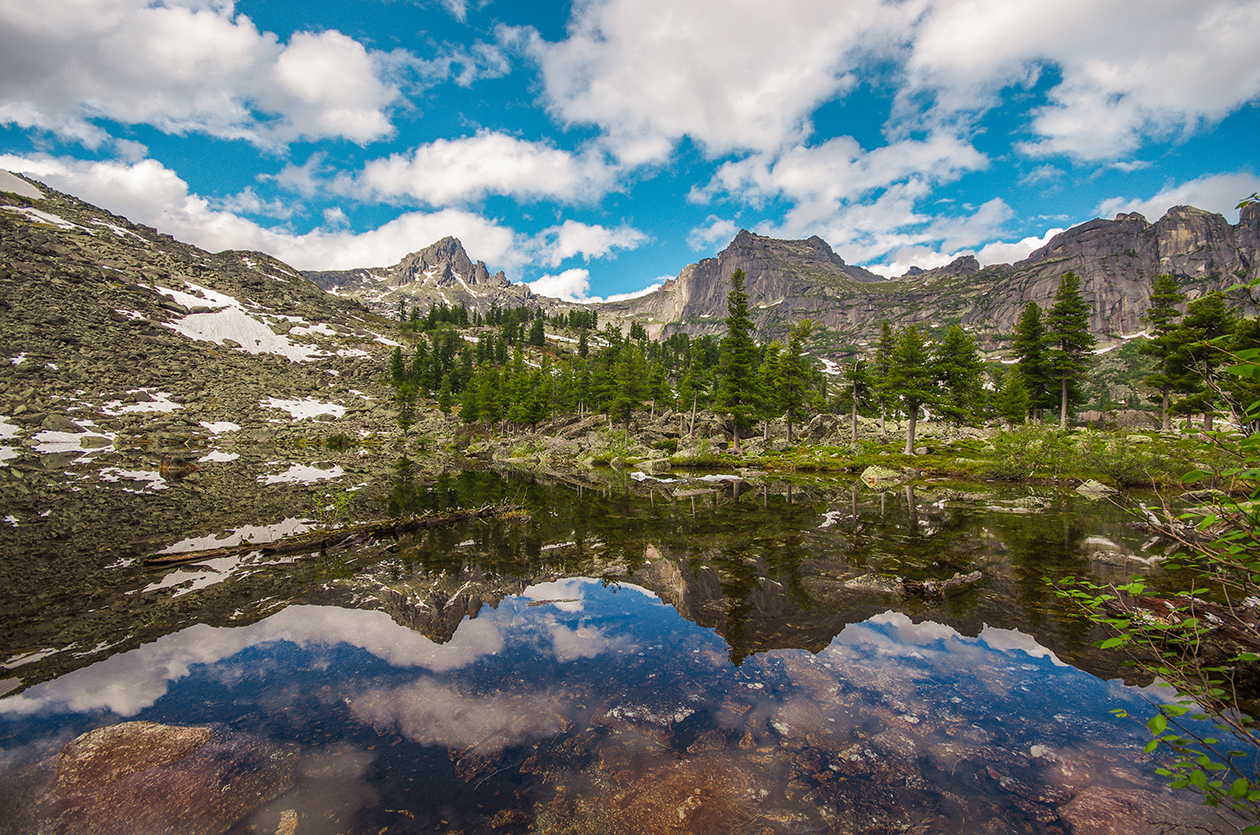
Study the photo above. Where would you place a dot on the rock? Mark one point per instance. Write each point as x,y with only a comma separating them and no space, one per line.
143,777
657,466
61,423
1095,490
877,476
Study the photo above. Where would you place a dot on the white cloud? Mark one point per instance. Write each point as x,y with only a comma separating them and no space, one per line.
456,170
574,285
715,231
184,67
1213,192
571,238
1000,252
149,193
570,285
730,74
1123,73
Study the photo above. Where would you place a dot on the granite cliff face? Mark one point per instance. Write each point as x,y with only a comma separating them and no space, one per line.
1116,260
439,274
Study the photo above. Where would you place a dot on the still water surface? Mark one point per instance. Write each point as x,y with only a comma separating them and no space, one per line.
630,656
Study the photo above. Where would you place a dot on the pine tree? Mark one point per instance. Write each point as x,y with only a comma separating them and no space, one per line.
910,378
958,368
537,335
1194,366
860,388
795,373
882,372
1069,339
1164,342
737,386
1029,346
1011,400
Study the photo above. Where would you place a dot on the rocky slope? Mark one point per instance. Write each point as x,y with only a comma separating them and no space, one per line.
1116,260
110,330
440,274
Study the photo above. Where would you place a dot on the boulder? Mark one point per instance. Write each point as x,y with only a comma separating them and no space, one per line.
877,476
1095,490
144,777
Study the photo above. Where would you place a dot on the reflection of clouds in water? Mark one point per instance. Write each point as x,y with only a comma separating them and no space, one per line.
583,641
895,634
132,681
432,713
565,595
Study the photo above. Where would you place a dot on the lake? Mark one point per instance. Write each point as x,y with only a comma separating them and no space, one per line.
708,653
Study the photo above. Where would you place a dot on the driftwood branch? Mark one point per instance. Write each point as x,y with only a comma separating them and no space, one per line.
331,540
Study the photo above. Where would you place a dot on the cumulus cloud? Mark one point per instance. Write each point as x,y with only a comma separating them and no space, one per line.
456,170
185,67
1214,192
743,75
149,193
714,231
575,285
1178,66
572,238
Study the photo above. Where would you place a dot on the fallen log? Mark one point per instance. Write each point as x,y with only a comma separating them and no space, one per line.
330,540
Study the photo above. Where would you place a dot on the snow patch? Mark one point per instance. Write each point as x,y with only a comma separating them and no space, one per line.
247,534
251,335
8,430
44,217
302,409
219,427
218,456
16,185
159,402
303,474
151,479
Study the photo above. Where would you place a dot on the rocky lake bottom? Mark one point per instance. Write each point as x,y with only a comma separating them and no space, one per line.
696,652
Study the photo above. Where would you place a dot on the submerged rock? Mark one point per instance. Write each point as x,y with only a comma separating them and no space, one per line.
876,475
143,778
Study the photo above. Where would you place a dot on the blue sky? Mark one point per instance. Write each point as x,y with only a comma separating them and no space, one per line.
595,147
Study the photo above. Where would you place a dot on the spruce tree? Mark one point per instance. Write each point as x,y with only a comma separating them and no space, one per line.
910,378
1195,365
860,388
1163,343
881,373
958,369
1029,346
1068,338
1011,400
795,373
737,365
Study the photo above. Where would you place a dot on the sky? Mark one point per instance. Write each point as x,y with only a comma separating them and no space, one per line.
594,148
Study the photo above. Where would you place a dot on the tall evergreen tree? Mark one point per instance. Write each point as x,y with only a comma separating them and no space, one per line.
882,372
737,385
1195,365
1011,400
1068,338
1029,346
795,371
1161,320
910,378
959,369
860,389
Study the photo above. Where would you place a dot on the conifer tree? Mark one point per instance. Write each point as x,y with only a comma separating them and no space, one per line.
1194,366
795,373
737,386
881,374
1068,338
958,368
910,378
1164,342
1029,346
1011,400
860,387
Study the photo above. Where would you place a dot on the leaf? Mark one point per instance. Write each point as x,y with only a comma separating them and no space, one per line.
1157,724
1113,642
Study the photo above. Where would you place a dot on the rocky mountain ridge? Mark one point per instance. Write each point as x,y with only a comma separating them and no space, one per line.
441,273
1116,260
